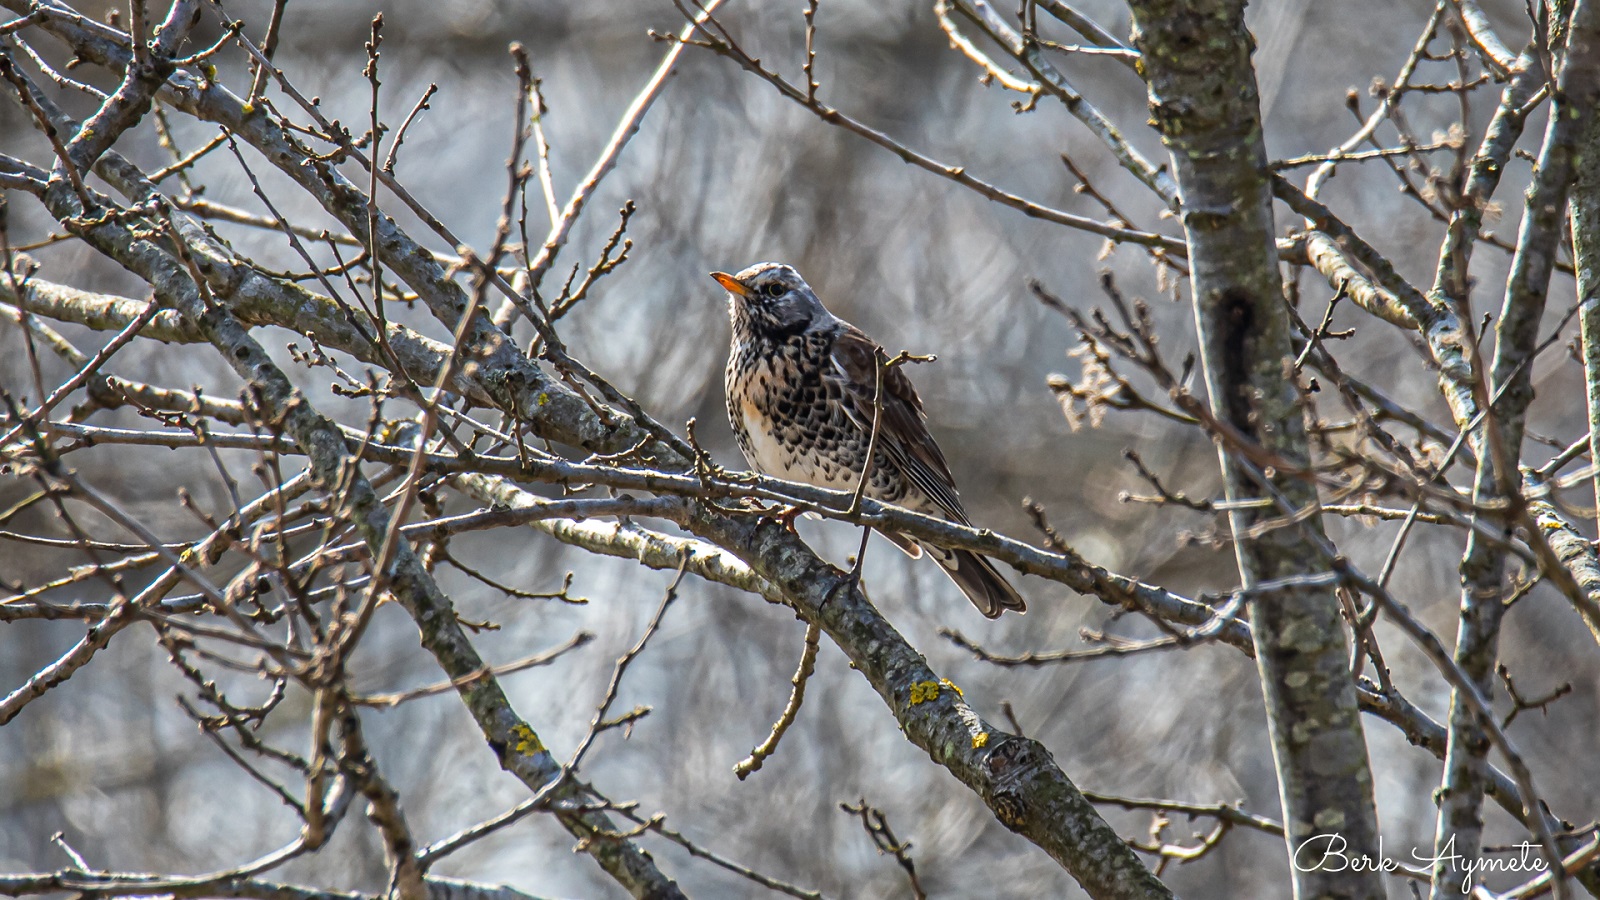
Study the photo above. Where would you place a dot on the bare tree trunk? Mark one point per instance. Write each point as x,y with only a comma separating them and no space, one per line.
1585,201
1196,61
1458,836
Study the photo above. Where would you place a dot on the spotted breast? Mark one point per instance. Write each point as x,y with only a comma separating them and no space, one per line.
803,390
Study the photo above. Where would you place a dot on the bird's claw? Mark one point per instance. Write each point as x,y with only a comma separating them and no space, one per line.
788,517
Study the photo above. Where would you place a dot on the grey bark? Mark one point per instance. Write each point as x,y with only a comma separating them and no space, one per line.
1203,96
1458,834
1585,204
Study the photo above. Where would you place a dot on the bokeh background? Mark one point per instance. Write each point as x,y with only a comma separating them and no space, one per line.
726,173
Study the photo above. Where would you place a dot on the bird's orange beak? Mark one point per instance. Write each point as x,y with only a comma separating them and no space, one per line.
731,284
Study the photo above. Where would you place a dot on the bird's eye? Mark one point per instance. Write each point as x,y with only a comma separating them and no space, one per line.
773,290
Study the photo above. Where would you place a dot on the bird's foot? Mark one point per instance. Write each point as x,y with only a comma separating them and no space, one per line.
784,515
788,515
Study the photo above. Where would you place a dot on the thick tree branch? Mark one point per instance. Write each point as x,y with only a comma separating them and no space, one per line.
1196,60
1015,776
517,746
1459,832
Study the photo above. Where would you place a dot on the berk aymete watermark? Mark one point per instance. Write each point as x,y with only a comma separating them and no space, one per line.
1332,853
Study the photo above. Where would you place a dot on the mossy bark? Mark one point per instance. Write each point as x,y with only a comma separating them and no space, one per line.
1458,834
1195,59
1585,203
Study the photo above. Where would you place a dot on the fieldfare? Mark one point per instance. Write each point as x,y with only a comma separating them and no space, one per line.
801,388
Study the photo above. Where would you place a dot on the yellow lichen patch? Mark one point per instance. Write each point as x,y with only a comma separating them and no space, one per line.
952,686
542,399
924,691
980,740
527,741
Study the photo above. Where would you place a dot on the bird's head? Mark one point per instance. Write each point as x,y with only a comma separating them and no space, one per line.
772,299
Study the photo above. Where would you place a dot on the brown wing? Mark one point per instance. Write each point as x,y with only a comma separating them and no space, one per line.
902,434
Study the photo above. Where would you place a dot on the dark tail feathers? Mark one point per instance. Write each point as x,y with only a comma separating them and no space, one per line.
984,586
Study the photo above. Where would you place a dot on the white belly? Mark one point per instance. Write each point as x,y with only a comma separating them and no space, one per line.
766,454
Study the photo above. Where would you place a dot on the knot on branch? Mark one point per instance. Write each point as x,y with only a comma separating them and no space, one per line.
1009,765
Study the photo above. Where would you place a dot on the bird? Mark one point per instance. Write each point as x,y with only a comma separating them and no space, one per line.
801,387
